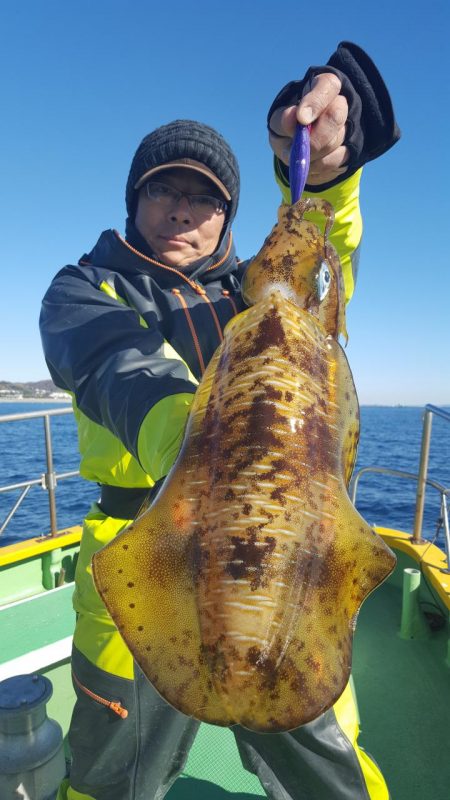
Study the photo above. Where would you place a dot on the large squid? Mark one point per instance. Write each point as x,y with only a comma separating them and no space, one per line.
238,590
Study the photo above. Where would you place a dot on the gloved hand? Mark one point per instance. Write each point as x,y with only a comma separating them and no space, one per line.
351,113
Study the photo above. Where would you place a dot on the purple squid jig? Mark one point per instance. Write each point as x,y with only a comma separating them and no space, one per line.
299,161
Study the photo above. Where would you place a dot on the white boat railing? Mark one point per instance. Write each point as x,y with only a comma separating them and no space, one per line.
422,481
48,479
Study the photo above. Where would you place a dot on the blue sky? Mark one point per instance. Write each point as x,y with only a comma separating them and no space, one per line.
83,82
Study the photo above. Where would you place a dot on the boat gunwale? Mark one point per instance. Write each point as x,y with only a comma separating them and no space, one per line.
38,545
434,568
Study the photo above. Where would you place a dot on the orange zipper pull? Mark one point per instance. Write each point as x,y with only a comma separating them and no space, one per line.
118,709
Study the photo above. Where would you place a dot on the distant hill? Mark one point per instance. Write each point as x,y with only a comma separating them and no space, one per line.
29,389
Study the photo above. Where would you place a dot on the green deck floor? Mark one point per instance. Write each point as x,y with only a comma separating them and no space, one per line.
214,770
403,690
51,616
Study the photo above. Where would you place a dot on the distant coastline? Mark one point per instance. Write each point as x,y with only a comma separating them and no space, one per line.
35,400
32,392
69,400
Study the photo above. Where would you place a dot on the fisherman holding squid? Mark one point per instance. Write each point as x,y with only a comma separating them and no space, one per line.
129,332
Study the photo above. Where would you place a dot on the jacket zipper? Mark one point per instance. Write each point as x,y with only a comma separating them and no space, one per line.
184,306
202,292
227,294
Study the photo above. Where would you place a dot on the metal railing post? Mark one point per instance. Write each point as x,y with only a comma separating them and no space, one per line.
446,530
50,477
422,477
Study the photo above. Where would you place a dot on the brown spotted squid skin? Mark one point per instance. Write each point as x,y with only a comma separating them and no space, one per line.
238,591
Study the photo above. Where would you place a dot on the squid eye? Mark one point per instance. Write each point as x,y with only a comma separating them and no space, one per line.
323,281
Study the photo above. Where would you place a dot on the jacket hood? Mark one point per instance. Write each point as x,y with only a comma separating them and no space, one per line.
132,254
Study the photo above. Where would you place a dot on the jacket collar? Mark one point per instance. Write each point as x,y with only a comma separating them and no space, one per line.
131,254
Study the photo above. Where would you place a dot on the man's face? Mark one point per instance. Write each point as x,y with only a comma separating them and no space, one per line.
176,235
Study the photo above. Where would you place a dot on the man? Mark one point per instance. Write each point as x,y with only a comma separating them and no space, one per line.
129,332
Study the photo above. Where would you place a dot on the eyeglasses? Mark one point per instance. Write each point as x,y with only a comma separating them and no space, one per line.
203,206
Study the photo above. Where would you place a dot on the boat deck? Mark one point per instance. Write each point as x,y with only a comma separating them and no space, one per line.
402,686
403,690
214,770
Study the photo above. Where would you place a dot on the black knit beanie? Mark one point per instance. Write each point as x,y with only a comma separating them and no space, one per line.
185,139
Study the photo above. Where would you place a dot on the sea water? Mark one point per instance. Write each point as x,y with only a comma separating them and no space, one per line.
390,437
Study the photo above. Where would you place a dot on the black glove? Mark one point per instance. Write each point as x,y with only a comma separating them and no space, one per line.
371,125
